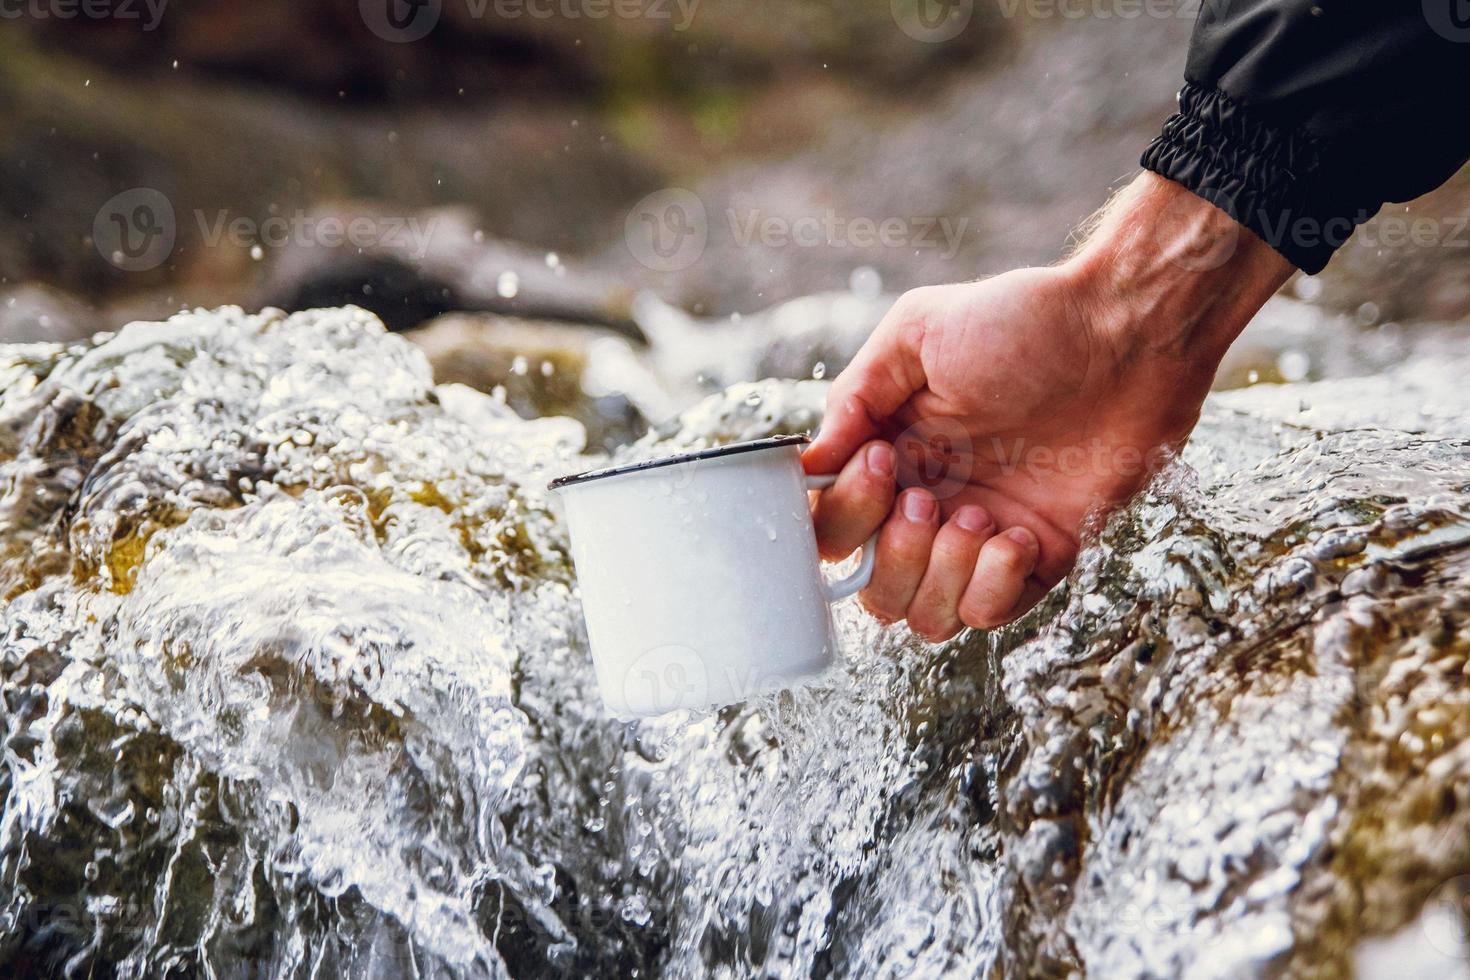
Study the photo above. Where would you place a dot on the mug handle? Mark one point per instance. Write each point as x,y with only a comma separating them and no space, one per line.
843,588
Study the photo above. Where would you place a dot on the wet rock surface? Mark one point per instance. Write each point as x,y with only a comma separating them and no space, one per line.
295,685
541,368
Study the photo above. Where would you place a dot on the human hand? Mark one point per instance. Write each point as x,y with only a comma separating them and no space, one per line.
1008,410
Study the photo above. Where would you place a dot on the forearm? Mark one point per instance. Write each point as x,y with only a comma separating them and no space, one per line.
1169,279
1300,118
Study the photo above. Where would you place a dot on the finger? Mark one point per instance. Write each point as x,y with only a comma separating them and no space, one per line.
903,554
934,611
878,380
1000,579
856,505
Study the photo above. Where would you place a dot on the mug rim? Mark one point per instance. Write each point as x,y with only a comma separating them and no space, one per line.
690,456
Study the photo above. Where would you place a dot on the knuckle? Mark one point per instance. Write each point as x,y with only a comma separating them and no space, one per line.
913,301
908,551
953,551
1009,558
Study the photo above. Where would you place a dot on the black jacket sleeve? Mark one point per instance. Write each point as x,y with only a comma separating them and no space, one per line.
1300,118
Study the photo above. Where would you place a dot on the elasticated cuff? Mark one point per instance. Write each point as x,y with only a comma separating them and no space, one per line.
1266,177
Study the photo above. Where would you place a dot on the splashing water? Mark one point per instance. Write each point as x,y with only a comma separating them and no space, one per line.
295,685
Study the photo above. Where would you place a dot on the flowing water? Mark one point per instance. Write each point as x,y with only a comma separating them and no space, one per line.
295,685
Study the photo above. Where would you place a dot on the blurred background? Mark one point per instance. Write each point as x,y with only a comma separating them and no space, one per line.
508,178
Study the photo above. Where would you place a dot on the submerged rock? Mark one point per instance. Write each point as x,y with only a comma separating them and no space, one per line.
295,685
541,368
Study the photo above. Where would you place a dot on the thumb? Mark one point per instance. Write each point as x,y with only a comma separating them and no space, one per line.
885,373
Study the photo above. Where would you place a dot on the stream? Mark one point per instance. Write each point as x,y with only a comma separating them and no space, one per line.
295,685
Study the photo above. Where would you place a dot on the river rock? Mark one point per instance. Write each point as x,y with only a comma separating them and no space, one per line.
540,368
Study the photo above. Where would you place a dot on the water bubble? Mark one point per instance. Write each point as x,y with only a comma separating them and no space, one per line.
507,285
1293,364
1307,288
819,370
865,282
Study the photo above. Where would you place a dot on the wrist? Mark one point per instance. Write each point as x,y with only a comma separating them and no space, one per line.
1168,279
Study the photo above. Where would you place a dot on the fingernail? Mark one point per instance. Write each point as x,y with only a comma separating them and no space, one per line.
972,518
880,459
1022,537
919,507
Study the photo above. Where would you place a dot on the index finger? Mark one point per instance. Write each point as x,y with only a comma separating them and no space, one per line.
883,375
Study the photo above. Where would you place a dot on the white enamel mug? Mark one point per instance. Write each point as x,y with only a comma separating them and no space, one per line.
699,576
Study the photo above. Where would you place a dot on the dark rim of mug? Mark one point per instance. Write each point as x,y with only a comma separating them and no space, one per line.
732,449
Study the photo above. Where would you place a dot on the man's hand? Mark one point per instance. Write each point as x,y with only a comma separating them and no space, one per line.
1010,409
